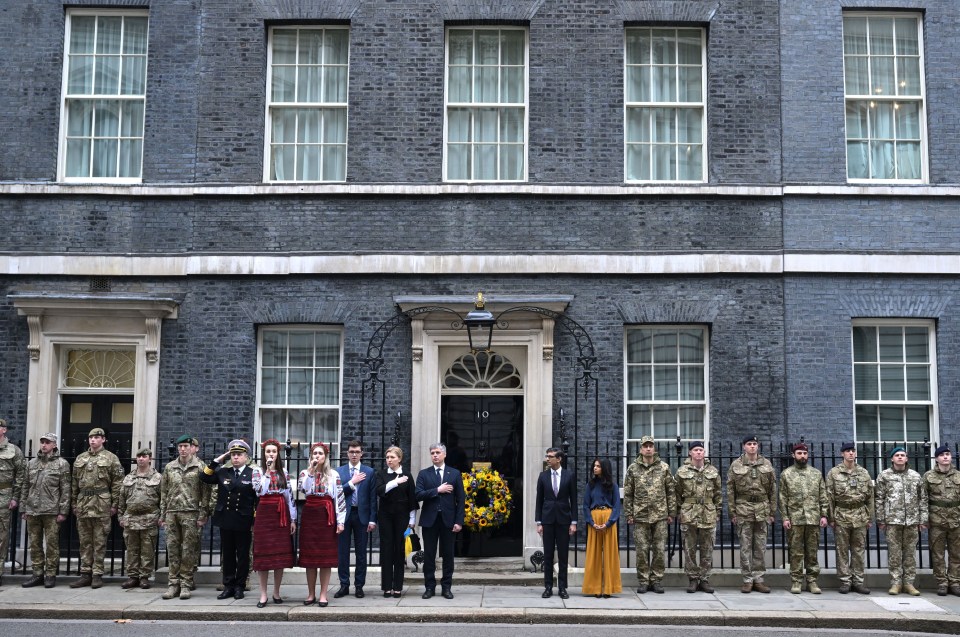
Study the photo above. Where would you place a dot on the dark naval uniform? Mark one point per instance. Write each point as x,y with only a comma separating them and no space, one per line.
236,502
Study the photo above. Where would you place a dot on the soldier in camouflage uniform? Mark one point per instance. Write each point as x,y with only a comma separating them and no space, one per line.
851,508
94,497
184,508
901,515
140,519
649,502
46,505
942,484
752,501
13,468
803,507
699,493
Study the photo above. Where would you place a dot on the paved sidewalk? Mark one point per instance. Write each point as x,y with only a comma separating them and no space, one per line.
499,604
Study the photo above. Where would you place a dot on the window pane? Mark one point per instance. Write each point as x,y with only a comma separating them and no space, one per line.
689,84
908,42
335,125
309,83
283,84
908,120
688,46
107,76
864,344
325,425
334,163
917,423
301,349
78,158
891,343
918,382
891,423
336,46
80,75
639,343
511,85
638,46
512,51
664,84
299,426
664,46
458,161
665,383
663,162
691,421
131,152
134,75
866,382
891,382
273,424
638,162
917,344
881,36
638,421
855,36
328,349
908,76
82,34
881,74
131,118
485,161
274,348
109,29
459,84
511,125
273,386
511,162
858,160
689,125
691,346
664,124
664,422
665,347
299,386
868,425
308,163
691,383
310,47
135,36
328,387
105,158
460,47
335,84
639,382
638,129
856,77
284,46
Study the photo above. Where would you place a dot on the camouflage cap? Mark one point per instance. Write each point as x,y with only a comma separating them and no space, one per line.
51,437
646,439
97,431
145,451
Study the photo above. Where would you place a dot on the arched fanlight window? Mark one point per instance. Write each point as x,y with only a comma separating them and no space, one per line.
482,370
100,369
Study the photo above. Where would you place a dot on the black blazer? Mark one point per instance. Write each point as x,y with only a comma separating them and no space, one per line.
403,499
559,509
448,506
236,499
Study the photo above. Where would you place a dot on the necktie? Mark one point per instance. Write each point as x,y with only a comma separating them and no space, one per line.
556,484
353,498
439,477
236,474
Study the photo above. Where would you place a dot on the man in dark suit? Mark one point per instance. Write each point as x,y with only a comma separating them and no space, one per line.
440,488
556,516
359,490
236,503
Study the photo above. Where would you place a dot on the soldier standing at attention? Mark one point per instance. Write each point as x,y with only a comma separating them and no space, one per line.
752,501
140,519
12,471
851,508
901,515
942,484
94,496
184,507
699,493
649,502
46,505
803,507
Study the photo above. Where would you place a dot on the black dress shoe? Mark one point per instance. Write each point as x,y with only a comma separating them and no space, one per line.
388,593
447,593
358,592
238,594
309,602
547,593
277,600
563,594
227,593
427,594
397,594
343,591
261,604
322,604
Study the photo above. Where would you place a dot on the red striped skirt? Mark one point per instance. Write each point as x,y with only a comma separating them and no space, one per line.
272,542
318,533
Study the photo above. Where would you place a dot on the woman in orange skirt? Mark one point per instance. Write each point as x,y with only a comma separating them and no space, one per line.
275,521
601,510
324,514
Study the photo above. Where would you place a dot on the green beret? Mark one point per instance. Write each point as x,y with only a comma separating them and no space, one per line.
185,438
896,449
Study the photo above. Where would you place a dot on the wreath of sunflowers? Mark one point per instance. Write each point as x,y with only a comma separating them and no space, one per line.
488,500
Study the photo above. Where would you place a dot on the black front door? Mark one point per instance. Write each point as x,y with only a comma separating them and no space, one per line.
488,429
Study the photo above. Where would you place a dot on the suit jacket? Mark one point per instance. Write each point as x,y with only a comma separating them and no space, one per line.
403,499
366,492
449,506
560,508
236,499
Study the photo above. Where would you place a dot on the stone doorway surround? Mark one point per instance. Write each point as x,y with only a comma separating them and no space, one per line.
530,332
59,322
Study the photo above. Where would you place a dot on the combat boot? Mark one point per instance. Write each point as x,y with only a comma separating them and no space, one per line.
941,590
49,581
760,587
172,591
132,582
144,583
642,588
656,587
747,587
954,589
860,588
909,589
85,580
97,581
37,580
796,588
705,586
894,589
814,588
844,589
693,585
185,592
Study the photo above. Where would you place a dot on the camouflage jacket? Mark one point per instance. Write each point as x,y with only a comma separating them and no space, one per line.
182,490
943,497
850,497
803,495
12,472
47,488
140,500
96,484
901,498
751,489
699,493
649,491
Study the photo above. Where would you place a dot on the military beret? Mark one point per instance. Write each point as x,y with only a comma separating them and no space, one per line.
751,438
3,422
195,442
97,431
646,439
847,446
145,451
800,446
944,448
694,444
239,446
897,449
185,438
51,437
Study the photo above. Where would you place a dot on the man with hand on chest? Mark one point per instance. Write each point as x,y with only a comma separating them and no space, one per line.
440,488
359,492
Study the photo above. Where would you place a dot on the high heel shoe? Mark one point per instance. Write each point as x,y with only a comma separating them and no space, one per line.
322,604
388,593
261,604
309,602
277,600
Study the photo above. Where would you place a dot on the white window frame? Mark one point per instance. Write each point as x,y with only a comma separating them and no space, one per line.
338,407
931,404
704,402
702,105
447,105
65,98
921,100
270,105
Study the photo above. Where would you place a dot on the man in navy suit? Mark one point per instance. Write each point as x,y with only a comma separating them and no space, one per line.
440,488
556,516
359,490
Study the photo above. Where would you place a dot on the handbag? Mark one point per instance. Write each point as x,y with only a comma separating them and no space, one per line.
414,540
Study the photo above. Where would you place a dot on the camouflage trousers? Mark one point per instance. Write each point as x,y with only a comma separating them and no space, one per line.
753,544
40,528
804,542
140,551
183,546
651,540
5,515
93,534
945,540
902,552
851,544
694,540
